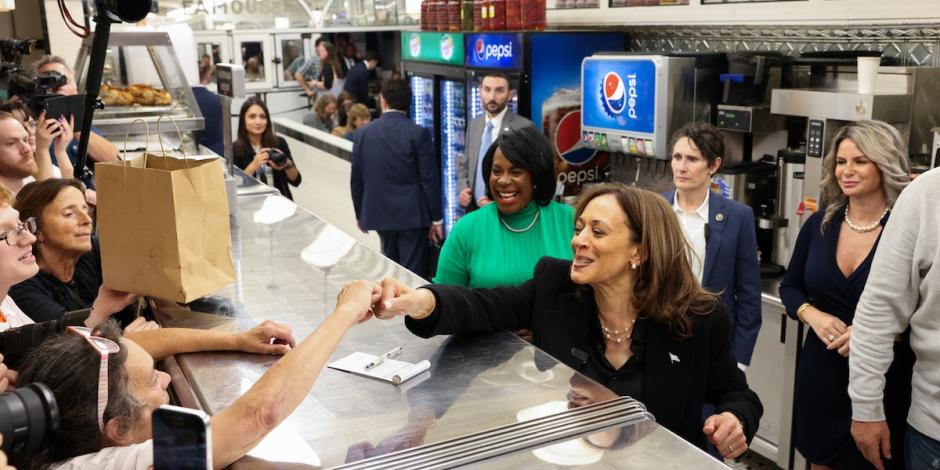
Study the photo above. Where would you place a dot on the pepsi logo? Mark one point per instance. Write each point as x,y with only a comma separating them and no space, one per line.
479,49
568,140
614,93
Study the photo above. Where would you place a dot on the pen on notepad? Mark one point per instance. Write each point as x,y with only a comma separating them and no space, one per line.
380,359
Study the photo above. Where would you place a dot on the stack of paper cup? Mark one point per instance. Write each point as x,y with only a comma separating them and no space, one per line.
867,74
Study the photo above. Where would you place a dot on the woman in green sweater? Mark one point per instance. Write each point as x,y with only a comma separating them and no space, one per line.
500,243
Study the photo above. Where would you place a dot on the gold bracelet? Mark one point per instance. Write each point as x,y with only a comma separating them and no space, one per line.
801,310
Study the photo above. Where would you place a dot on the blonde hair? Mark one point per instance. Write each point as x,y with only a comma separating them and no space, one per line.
665,291
879,142
6,196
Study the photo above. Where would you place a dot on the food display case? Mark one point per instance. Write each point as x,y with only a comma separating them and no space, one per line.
142,79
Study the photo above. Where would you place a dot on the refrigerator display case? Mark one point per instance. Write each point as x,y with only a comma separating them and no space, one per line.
453,119
422,105
142,79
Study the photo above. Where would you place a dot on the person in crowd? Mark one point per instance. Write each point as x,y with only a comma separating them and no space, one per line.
344,102
863,173
45,137
17,263
255,144
323,117
331,71
99,148
18,166
495,94
210,105
67,252
254,70
628,313
395,182
500,244
902,293
359,116
357,80
308,73
118,435
721,233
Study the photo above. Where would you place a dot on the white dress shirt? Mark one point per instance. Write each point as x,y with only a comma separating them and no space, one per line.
693,225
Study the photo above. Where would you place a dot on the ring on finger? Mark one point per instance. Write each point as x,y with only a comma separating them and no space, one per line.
731,449
831,338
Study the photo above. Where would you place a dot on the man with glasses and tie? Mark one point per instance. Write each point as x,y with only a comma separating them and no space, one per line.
482,131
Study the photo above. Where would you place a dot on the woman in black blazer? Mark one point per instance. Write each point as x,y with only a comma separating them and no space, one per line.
256,148
628,312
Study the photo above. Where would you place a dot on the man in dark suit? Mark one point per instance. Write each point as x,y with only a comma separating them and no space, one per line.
396,183
210,105
357,80
481,133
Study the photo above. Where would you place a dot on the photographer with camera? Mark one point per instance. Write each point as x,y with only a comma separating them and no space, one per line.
99,149
46,137
259,152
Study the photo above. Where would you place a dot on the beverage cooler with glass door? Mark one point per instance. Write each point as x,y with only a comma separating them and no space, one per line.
433,65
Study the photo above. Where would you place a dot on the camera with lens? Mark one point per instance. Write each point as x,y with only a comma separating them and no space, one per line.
29,419
277,157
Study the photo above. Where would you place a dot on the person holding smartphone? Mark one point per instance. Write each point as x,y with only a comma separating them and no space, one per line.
262,154
115,433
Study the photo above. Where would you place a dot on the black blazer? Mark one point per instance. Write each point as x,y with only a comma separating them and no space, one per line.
243,159
395,180
679,375
357,83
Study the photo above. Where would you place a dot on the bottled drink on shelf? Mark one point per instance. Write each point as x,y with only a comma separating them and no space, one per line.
424,14
514,14
497,15
533,14
479,15
453,15
487,19
466,15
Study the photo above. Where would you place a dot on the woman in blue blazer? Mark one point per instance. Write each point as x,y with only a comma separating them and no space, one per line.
720,233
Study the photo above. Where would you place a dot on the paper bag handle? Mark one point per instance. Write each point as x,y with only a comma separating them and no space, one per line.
178,133
128,132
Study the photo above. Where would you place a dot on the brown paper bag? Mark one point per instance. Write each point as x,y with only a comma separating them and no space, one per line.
163,224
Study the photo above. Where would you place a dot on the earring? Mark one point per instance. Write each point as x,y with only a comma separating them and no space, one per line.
633,266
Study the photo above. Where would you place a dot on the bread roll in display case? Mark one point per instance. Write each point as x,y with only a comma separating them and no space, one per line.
142,79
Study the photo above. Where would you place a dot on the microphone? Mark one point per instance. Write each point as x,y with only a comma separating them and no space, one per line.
708,232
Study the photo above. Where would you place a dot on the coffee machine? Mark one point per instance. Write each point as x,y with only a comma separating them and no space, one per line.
752,138
904,97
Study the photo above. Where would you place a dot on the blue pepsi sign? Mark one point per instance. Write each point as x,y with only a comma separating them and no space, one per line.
494,51
619,95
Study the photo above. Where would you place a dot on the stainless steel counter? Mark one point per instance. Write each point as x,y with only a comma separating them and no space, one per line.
290,265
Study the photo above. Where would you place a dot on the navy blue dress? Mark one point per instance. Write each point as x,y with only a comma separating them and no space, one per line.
823,408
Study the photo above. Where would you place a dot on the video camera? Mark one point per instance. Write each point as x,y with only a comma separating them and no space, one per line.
32,90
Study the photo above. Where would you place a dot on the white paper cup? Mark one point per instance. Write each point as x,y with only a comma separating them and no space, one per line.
867,74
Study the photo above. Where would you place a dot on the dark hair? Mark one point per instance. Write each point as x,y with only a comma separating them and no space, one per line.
36,196
397,94
319,40
496,74
706,138
268,139
371,55
205,72
16,106
528,149
665,290
332,58
69,367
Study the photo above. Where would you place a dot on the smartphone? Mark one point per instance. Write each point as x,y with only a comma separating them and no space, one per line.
181,439
66,106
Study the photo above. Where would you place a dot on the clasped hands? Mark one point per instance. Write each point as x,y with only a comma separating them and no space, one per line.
385,299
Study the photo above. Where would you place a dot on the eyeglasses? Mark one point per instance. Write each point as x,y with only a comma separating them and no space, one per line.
13,236
104,347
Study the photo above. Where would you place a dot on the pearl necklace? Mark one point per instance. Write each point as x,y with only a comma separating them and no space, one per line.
614,335
520,230
867,228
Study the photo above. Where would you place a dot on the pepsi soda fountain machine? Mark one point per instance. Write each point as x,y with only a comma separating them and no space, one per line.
633,103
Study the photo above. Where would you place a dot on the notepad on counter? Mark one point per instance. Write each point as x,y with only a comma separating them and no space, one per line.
390,370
